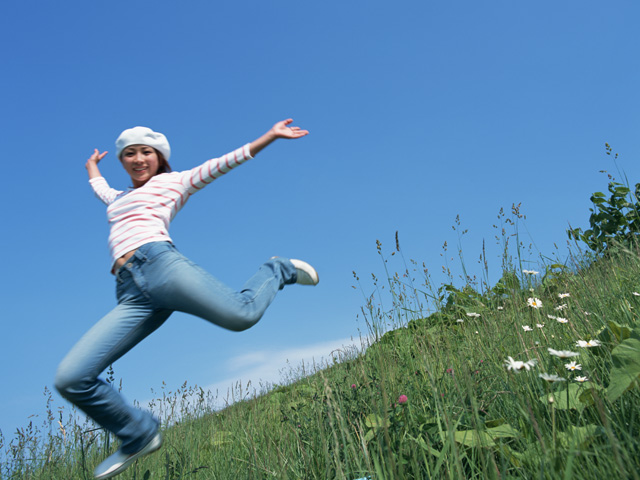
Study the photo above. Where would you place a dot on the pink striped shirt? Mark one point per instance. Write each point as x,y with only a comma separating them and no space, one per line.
142,215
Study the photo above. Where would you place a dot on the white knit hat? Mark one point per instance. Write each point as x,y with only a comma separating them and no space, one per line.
143,136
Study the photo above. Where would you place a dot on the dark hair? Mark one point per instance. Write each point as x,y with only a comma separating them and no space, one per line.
163,164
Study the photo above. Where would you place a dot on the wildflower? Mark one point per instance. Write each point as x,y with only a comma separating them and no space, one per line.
564,295
573,366
518,365
636,294
581,379
561,307
551,317
534,303
540,325
552,378
563,353
500,308
353,385
402,399
530,272
527,328
562,320
589,344
473,314
460,320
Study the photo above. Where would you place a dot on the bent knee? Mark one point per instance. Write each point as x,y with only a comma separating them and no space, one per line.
68,381
242,322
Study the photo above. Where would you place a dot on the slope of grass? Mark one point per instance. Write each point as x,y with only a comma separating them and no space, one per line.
455,394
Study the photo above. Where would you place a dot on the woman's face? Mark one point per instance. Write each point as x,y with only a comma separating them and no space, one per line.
140,162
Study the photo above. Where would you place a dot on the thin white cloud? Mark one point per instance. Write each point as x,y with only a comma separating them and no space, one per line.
255,373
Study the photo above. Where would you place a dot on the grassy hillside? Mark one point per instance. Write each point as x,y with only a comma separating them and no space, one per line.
536,377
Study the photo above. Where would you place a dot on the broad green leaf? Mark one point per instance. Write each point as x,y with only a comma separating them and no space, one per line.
626,370
559,397
614,333
375,421
485,438
579,437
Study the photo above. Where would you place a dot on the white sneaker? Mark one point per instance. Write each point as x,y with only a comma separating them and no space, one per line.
307,275
118,462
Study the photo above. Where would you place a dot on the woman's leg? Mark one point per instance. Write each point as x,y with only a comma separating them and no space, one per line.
181,285
114,335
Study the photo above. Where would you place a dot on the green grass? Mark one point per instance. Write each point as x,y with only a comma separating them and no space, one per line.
465,416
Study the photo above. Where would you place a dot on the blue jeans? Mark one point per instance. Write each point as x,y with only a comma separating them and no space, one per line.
156,281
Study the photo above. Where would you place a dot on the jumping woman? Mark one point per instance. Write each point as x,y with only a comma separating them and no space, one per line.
153,280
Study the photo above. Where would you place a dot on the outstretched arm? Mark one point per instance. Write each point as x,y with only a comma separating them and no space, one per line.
279,130
92,164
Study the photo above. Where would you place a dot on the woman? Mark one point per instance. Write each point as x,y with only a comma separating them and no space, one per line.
153,280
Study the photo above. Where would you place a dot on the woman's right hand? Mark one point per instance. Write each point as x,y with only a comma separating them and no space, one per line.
92,163
96,157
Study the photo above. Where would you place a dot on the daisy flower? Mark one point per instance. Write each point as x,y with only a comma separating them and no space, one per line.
551,317
564,295
500,308
573,366
562,353
517,365
530,272
534,302
562,320
589,344
561,307
552,378
540,325
581,379
636,294
473,314
460,320
527,328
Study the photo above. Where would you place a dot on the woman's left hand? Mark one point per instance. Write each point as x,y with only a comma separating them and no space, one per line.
283,130
279,130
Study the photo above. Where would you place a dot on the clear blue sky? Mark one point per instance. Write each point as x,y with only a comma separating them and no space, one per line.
418,111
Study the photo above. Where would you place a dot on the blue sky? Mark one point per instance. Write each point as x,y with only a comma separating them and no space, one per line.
418,111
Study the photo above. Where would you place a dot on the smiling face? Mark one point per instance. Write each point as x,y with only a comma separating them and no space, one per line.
141,163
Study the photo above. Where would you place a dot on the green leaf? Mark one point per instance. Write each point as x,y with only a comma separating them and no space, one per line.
579,437
626,370
485,438
559,397
375,421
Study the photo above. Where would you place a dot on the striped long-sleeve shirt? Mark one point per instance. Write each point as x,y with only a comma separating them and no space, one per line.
142,215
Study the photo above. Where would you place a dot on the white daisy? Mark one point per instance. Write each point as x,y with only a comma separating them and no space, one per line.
636,294
552,378
473,314
573,366
500,308
563,353
517,365
530,272
551,317
534,303
562,320
564,295
460,320
561,307
589,344
527,328
581,379
540,325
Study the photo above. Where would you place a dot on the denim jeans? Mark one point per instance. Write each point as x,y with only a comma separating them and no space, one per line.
156,281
